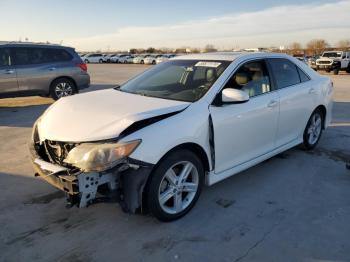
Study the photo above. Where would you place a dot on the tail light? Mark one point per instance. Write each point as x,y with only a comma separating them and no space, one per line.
83,66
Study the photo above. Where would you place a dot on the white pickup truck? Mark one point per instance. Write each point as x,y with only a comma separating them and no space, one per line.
334,61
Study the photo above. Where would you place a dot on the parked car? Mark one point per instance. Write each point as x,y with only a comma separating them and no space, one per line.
185,123
151,60
312,62
39,69
164,58
93,58
140,59
130,59
334,61
122,58
114,58
301,58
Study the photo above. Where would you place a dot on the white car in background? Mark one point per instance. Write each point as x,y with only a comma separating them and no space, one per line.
185,123
93,58
151,59
114,58
123,58
164,58
140,59
130,59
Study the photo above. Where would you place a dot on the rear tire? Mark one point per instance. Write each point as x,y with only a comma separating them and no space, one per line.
171,193
86,61
62,87
313,130
336,72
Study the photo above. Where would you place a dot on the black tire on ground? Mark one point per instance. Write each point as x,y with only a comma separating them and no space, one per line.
306,141
348,69
86,61
153,62
155,183
142,62
100,61
335,71
59,81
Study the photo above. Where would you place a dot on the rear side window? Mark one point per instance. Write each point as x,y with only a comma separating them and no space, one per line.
37,55
285,72
4,57
59,55
303,77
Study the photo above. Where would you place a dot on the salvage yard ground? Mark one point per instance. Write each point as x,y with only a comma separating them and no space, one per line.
293,207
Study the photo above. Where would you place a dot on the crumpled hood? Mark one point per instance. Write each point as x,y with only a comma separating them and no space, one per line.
100,115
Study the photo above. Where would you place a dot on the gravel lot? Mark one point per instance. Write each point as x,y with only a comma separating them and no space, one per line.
293,207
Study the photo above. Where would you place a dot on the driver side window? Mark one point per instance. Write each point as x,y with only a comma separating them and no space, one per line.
252,78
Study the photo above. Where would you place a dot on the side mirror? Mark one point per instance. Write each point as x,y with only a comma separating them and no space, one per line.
231,95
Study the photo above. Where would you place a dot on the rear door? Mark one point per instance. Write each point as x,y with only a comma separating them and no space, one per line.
35,69
8,77
297,99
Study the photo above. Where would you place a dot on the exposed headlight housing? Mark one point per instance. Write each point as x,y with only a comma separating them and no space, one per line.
100,157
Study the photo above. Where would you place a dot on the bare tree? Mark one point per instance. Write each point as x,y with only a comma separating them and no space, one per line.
344,44
209,48
295,47
317,46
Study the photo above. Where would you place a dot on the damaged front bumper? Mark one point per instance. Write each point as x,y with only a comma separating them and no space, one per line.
125,182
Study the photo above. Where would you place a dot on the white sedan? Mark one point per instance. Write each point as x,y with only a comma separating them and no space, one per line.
151,60
93,58
123,59
185,123
164,58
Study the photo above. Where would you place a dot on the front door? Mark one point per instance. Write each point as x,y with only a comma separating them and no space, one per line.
8,78
243,132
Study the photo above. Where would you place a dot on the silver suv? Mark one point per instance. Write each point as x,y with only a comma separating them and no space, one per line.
41,69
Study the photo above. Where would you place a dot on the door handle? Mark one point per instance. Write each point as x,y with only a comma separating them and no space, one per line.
312,91
272,103
52,68
9,71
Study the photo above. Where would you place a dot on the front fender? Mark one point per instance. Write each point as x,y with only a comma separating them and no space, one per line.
188,126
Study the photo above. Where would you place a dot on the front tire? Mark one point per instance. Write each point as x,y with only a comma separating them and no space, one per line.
175,185
313,130
335,71
62,87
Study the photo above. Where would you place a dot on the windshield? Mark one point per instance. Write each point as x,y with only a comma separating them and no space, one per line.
332,54
183,80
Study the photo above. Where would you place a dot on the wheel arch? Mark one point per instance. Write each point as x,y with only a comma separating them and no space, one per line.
193,147
323,109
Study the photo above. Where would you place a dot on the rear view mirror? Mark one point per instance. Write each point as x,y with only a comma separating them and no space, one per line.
231,95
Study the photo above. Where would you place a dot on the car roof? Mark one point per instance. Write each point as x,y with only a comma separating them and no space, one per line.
228,56
29,44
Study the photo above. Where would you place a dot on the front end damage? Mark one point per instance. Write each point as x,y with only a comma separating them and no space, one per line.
123,183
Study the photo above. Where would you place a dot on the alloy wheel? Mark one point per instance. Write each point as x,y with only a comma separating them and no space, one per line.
63,89
314,129
178,187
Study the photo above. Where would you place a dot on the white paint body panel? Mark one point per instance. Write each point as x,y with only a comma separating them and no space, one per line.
244,134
